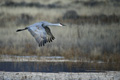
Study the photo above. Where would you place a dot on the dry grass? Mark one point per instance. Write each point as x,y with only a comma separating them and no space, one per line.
79,38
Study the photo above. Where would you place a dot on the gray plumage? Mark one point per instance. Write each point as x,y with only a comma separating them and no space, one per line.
41,32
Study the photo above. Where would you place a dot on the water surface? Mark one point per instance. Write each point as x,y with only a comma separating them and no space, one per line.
49,67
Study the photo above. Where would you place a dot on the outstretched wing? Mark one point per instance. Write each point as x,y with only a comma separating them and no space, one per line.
41,34
50,36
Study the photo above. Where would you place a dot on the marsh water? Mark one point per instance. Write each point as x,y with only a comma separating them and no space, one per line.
50,67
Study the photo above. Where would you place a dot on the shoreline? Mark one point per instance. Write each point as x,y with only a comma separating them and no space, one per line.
109,75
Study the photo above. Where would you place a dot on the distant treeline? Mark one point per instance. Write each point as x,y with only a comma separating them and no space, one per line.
31,4
91,3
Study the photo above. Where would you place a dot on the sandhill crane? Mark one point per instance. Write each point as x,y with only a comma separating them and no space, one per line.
41,32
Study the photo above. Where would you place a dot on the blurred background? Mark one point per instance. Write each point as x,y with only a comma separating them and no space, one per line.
92,28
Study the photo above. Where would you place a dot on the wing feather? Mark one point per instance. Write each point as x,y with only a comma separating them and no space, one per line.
50,35
41,34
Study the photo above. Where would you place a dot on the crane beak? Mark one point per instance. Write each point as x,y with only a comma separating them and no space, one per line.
62,24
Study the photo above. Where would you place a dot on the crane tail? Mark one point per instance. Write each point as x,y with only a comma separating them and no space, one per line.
21,29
